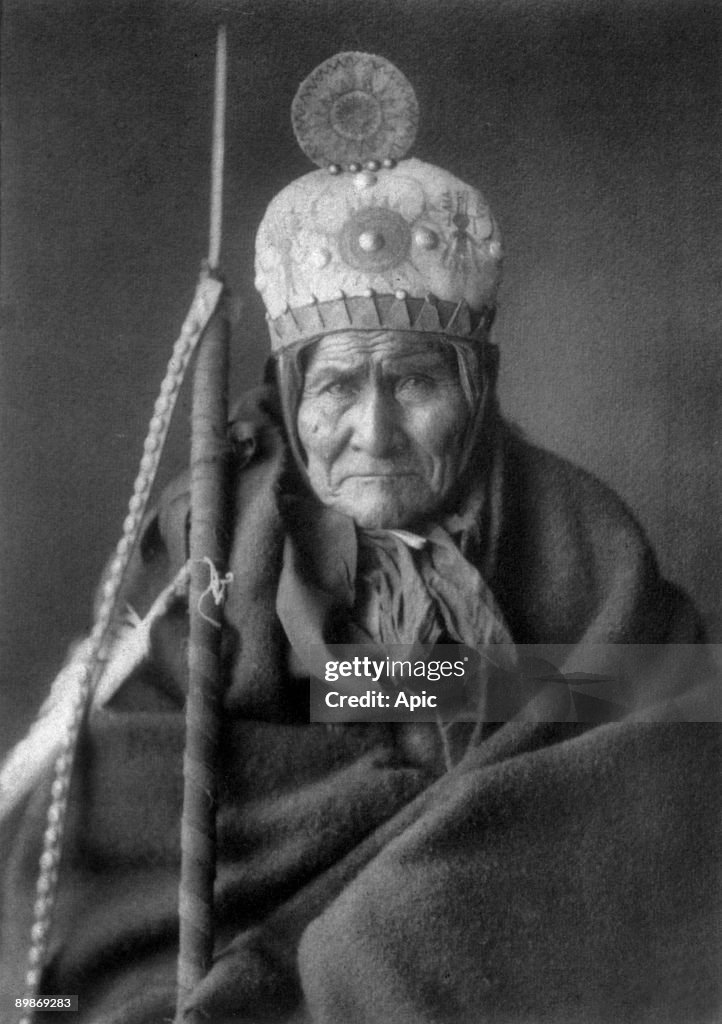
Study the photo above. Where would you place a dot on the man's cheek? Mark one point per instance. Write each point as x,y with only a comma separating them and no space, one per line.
309,426
318,437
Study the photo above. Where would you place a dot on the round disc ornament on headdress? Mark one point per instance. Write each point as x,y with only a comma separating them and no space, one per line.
355,108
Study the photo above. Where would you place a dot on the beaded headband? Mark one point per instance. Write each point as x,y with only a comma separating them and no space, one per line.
373,241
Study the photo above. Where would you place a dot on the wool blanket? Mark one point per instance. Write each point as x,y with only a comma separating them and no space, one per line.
545,872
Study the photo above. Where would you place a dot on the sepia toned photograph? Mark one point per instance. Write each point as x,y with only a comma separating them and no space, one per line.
361,607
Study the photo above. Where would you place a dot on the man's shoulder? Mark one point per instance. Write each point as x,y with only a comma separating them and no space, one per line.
557,495
571,558
256,451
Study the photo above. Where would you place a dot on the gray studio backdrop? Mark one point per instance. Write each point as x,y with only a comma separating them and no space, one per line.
591,127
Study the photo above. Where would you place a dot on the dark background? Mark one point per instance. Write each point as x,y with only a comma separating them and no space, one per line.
592,128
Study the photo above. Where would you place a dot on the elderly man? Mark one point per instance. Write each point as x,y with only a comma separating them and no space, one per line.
521,871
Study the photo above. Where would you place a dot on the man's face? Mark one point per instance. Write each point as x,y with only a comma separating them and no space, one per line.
381,421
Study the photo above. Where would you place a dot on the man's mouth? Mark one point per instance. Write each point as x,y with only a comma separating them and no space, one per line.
377,476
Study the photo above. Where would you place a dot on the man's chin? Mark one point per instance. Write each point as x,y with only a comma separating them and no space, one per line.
377,506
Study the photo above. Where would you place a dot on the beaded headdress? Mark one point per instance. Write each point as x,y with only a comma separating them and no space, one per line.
375,240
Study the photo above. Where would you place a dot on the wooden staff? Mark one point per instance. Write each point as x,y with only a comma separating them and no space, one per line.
208,555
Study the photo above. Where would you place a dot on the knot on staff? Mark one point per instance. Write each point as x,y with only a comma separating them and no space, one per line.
216,588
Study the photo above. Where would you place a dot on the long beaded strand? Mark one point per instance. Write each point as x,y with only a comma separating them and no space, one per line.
204,304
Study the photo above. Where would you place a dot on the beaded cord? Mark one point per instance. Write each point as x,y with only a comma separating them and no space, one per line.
205,301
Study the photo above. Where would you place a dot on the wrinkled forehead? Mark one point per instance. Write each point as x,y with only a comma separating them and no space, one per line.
355,349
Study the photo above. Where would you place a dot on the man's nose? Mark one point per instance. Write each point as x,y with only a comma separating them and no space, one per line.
376,428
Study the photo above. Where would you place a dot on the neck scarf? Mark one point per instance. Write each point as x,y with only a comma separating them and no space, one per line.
412,589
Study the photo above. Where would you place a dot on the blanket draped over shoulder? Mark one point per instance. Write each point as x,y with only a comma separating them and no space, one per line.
557,872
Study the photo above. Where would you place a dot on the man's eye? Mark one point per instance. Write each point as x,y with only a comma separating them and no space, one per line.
415,385
339,389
